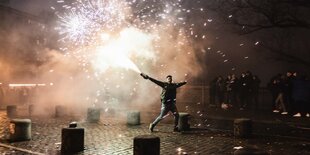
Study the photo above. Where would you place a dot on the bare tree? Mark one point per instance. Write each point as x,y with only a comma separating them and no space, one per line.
256,15
282,25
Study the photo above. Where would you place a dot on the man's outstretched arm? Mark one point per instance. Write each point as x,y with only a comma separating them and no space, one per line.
161,84
180,84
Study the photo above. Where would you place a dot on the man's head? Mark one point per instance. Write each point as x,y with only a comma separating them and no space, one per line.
289,73
169,78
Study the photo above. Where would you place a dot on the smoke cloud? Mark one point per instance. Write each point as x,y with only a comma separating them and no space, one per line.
72,77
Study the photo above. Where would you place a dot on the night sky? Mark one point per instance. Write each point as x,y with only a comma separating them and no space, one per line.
225,51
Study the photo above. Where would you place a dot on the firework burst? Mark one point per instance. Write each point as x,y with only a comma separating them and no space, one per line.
84,21
100,25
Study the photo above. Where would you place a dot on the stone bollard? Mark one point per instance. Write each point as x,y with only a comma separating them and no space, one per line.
11,111
60,111
73,125
146,145
93,115
250,151
20,130
183,121
72,139
133,118
242,127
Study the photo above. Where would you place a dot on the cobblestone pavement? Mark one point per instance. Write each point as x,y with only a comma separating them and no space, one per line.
113,137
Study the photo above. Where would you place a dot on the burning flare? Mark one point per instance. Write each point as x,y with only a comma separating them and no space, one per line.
118,51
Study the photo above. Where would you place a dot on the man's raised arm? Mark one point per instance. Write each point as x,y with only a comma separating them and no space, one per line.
161,84
180,84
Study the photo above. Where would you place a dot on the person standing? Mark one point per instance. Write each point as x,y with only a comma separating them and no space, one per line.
232,88
255,91
220,91
274,88
243,91
168,100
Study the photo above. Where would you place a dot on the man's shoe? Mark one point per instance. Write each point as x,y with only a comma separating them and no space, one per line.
275,111
284,113
151,127
297,115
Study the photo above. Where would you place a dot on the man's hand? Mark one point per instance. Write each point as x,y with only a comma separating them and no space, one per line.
144,76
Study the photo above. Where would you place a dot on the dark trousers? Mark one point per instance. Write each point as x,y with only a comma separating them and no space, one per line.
165,108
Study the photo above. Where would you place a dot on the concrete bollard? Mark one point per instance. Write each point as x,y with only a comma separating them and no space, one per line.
20,130
133,118
250,151
73,125
243,127
11,111
183,121
93,115
72,140
60,111
146,144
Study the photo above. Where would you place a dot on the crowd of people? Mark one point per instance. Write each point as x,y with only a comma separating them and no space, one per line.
233,91
17,95
290,92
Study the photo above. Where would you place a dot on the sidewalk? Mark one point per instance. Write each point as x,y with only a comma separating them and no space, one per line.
264,122
112,136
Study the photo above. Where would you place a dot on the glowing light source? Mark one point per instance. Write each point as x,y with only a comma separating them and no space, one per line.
116,33
26,85
118,51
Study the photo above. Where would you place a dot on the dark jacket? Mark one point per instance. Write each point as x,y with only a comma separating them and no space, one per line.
168,94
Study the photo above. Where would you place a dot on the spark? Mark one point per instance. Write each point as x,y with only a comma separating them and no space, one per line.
179,149
104,34
86,19
238,147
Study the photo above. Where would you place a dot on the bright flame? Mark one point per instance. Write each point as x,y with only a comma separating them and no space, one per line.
105,37
119,51
101,34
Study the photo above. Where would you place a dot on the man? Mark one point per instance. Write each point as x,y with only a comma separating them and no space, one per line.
168,100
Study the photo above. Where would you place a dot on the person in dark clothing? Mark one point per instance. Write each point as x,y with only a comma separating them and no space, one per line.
168,100
228,90
301,95
231,88
245,89
287,93
249,82
255,90
280,102
220,90
274,88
